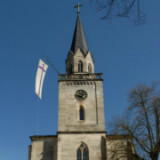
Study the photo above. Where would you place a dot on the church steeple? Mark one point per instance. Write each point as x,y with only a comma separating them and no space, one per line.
79,59
81,124
79,40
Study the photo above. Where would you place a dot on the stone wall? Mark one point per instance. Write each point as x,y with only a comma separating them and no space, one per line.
43,149
65,146
119,147
68,145
73,59
68,117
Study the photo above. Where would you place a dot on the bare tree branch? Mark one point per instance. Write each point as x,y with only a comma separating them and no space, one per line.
142,121
121,8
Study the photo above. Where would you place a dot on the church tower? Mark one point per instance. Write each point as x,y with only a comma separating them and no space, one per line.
81,107
81,124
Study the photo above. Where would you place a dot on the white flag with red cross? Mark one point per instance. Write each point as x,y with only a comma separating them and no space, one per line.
41,72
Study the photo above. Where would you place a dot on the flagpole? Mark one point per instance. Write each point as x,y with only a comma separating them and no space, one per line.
51,64
38,114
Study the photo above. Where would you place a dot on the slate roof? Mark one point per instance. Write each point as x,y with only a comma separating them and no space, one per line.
79,40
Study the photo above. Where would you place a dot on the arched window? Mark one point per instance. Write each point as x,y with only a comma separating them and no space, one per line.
80,66
82,152
81,113
89,68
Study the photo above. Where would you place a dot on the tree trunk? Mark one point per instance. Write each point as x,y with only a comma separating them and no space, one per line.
154,156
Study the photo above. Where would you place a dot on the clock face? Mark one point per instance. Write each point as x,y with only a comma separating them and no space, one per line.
81,95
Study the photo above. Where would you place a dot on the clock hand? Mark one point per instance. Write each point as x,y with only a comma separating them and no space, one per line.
79,95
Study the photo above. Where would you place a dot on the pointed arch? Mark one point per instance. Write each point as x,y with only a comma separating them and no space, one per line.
80,66
83,152
81,113
89,68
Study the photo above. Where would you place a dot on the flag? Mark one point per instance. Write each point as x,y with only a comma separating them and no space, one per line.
41,72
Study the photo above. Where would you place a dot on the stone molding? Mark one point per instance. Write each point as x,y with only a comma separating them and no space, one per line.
82,132
64,77
38,137
118,137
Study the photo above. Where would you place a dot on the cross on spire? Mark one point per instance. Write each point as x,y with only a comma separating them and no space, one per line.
78,7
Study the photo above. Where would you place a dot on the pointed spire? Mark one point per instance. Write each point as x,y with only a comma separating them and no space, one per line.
79,40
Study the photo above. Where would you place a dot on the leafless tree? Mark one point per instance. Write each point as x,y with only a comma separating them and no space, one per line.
121,8
141,121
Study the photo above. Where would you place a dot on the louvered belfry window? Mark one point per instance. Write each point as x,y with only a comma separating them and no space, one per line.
80,66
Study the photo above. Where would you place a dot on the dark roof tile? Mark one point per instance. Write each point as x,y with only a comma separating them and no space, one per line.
79,40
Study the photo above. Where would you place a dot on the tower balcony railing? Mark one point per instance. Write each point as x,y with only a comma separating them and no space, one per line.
92,76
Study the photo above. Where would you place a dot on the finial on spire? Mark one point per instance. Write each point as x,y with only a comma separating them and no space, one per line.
78,7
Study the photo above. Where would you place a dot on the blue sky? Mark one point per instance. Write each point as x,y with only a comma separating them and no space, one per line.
126,55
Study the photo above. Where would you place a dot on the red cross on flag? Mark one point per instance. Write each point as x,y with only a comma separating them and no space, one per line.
41,72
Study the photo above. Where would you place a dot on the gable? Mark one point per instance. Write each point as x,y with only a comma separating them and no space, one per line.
69,56
89,56
79,53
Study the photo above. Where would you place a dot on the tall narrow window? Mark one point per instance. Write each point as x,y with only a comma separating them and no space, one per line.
80,66
85,154
82,152
81,113
89,68
70,69
79,155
